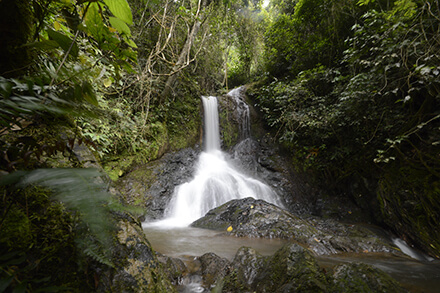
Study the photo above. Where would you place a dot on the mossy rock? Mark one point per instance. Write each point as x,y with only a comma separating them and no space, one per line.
291,269
212,268
245,267
294,269
229,125
118,166
37,243
137,268
363,278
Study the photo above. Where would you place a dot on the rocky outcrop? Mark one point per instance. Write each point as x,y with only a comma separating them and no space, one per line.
151,186
256,218
294,269
358,277
136,267
290,269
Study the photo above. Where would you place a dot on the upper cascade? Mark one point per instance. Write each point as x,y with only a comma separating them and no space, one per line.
212,131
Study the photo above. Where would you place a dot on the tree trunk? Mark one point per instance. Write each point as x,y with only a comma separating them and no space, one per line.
184,56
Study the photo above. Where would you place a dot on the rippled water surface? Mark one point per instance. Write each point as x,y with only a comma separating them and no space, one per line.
188,241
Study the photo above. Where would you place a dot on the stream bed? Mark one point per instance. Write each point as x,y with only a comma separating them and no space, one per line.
187,242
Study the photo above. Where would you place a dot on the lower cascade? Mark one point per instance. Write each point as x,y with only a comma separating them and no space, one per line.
215,182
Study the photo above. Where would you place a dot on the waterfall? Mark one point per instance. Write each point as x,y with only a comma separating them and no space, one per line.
212,131
215,182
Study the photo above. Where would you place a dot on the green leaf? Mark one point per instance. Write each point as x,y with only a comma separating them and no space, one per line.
131,43
120,26
94,23
20,288
64,41
4,283
120,9
89,94
44,45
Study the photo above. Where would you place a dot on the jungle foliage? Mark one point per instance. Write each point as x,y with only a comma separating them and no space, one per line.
120,77
351,89
59,55
353,92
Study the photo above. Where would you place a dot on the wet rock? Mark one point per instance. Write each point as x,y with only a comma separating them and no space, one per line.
290,269
294,269
247,264
136,267
152,185
357,277
212,267
175,268
256,218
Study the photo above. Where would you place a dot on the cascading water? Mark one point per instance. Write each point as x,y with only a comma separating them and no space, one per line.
215,182
212,132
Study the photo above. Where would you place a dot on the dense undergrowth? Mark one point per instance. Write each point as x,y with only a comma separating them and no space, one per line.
366,118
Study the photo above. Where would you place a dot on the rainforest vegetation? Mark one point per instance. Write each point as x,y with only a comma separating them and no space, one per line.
350,89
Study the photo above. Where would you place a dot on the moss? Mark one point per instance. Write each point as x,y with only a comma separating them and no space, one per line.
184,120
229,128
118,166
17,229
140,263
357,277
294,267
135,183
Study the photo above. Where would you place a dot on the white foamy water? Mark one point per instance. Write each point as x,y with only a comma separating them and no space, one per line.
212,130
215,182
406,249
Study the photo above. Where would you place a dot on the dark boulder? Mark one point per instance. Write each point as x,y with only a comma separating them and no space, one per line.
290,269
175,268
256,218
294,269
136,267
358,277
247,265
212,268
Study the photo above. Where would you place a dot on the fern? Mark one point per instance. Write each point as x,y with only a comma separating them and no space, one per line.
95,251
82,191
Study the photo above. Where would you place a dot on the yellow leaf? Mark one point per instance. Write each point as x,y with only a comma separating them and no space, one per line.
229,229
57,25
107,82
252,206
